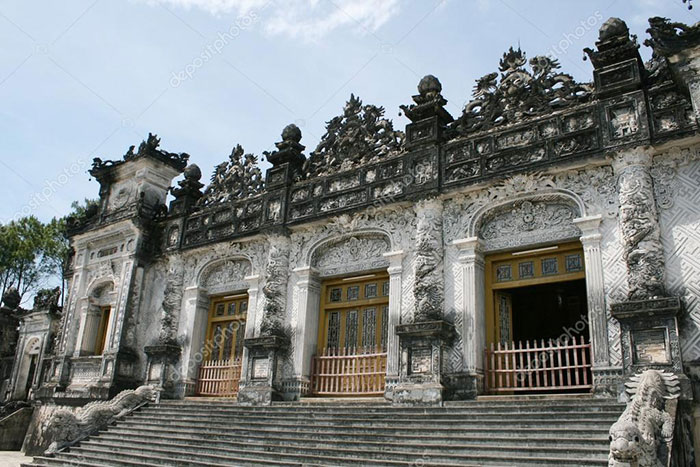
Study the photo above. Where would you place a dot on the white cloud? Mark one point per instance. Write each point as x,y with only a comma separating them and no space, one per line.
309,20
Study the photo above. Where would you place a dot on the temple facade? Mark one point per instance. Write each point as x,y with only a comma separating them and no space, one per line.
545,241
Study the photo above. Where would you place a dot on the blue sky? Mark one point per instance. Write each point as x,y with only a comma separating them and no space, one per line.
88,78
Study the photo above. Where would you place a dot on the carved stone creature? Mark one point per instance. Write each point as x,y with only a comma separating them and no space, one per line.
149,147
238,178
428,289
65,426
640,435
361,135
668,38
643,251
275,287
172,298
520,94
47,299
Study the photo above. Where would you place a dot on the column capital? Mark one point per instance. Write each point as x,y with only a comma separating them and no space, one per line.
253,280
470,248
590,228
640,156
395,261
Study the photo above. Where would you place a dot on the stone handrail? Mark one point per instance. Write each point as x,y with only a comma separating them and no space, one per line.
643,434
66,427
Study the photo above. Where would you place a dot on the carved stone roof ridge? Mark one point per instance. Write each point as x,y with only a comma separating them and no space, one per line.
517,94
360,136
239,177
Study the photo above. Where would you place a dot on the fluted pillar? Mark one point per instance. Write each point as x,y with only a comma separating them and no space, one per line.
308,302
395,271
470,304
595,289
251,319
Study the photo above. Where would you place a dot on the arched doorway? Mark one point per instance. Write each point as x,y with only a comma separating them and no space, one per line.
27,369
531,258
225,324
353,316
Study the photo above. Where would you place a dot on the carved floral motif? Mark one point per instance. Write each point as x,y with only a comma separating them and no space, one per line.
361,135
227,272
238,178
520,93
355,249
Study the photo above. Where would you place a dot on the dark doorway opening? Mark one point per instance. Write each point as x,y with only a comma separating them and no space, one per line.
550,311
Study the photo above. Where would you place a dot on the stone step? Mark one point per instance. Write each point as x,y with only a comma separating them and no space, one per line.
588,403
174,458
540,429
397,451
389,410
215,432
424,422
177,454
324,436
381,418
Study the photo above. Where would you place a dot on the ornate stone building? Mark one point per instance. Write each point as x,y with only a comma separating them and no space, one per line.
543,241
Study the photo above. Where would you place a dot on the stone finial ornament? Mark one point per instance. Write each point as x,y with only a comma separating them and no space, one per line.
289,150
11,298
190,186
614,44
428,102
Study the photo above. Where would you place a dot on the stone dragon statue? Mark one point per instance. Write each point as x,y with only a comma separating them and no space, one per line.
65,426
642,434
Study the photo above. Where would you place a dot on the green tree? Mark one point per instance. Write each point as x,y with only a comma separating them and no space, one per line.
25,260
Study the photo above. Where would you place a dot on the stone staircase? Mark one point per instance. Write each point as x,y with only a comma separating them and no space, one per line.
487,432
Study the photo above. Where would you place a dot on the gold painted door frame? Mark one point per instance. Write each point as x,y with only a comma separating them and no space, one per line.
226,327
504,271
354,312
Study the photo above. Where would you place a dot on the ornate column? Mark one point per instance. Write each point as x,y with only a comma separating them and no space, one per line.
251,320
595,288
471,306
639,224
648,318
395,271
424,341
606,379
193,322
262,385
308,302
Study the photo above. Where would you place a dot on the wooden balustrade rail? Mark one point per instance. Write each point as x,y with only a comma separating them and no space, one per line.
538,366
219,378
344,372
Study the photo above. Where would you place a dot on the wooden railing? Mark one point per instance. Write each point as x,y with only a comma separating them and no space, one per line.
341,372
558,365
219,378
